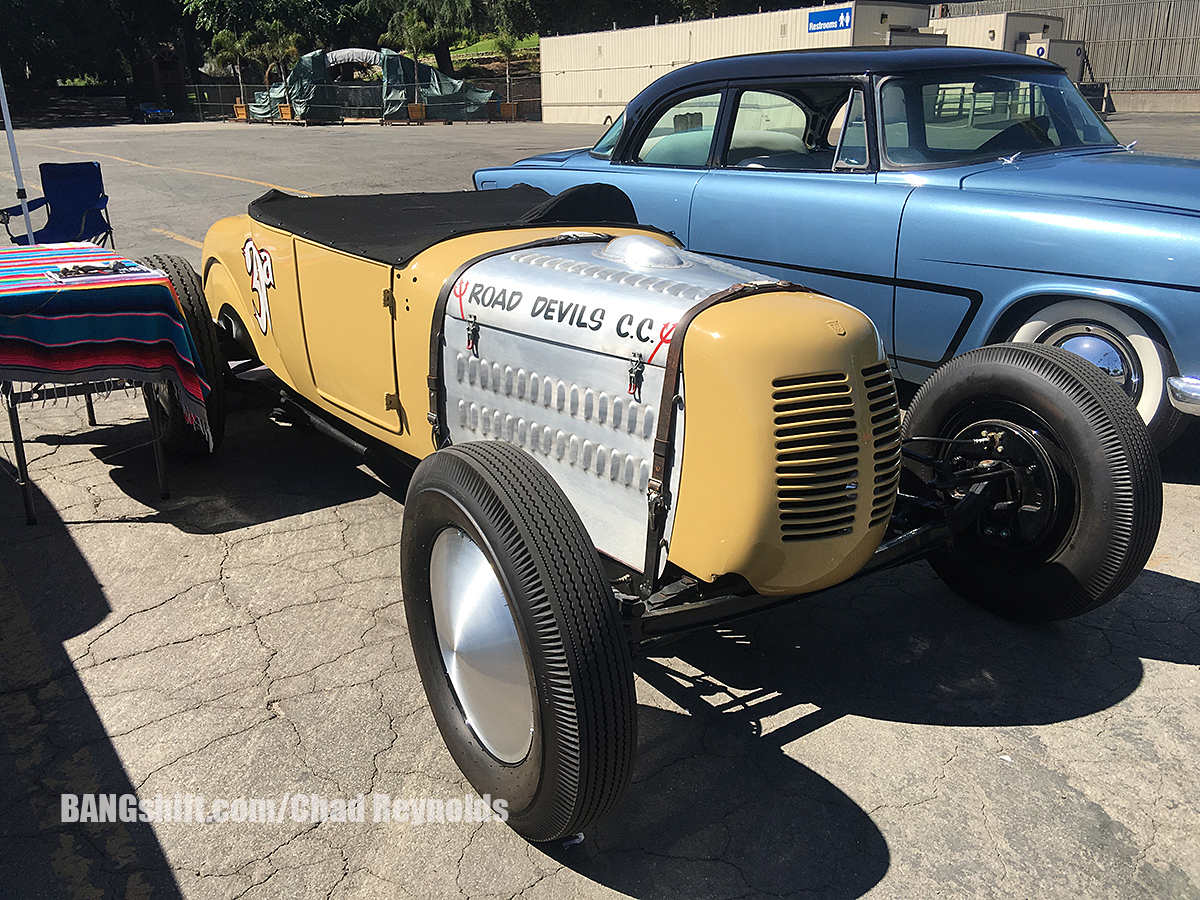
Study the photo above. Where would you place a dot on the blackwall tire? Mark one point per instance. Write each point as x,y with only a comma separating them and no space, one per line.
1105,487
537,708
180,438
1150,362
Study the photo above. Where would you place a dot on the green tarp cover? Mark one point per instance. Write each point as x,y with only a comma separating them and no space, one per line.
313,97
266,103
406,81
307,89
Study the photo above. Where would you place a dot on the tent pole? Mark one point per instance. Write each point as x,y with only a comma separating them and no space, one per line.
12,149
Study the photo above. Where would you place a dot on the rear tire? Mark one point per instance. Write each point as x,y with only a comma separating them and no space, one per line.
516,635
180,438
1079,527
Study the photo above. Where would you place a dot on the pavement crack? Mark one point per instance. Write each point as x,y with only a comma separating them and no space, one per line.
987,825
175,643
140,784
458,873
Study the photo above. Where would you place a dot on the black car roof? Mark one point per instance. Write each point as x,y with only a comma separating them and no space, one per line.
840,61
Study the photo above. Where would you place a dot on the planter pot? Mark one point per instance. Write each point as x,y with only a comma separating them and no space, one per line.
240,112
416,112
285,112
508,110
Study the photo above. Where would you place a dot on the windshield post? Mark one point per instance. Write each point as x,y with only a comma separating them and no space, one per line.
604,147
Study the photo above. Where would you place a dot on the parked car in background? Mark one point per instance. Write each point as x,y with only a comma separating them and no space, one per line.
960,197
146,113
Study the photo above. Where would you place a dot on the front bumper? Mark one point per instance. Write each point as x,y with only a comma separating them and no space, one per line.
1185,393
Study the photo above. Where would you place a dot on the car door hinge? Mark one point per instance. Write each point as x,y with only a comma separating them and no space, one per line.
389,301
391,401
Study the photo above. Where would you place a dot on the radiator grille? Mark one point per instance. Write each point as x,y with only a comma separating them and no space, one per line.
816,456
885,429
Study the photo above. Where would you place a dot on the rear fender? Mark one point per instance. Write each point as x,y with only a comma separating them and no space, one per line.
1016,310
230,295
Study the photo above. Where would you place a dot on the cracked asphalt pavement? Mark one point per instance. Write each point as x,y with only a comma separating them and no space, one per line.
246,638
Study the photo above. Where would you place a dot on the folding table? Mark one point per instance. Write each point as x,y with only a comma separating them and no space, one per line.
85,317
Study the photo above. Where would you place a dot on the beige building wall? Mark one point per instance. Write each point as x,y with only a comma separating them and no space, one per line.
588,78
1001,31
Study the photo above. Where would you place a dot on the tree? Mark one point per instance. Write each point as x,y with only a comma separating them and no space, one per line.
407,32
445,23
449,21
372,20
518,18
42,41
236,16
273,45
228,49
313,20
506,44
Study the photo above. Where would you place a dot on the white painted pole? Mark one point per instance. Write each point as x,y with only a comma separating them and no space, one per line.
12,149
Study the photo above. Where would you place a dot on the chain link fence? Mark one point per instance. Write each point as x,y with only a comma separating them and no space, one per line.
215,102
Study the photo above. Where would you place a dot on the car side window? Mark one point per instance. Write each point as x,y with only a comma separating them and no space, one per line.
852,139
789,128
604,146
768,133
682,136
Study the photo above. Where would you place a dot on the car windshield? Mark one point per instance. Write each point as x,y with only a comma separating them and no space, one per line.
948,117
604,146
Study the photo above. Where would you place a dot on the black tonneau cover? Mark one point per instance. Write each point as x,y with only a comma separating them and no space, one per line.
393,228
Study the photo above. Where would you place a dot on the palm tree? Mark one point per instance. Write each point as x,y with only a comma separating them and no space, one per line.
506,45
229,49
408,31
274,45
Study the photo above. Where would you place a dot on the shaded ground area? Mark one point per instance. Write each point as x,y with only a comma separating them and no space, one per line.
53,109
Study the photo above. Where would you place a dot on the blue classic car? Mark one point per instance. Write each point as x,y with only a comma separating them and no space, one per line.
960,197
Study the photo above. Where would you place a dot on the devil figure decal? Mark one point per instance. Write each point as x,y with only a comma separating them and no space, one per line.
262,276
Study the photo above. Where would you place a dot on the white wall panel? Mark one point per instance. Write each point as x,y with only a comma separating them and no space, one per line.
587,78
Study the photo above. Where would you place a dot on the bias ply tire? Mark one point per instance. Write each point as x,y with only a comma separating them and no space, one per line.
576,658
1109,487
180,438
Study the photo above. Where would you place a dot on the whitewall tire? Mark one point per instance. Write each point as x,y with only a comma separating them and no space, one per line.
1121,346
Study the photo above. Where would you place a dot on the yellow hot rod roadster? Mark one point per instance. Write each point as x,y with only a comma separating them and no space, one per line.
619,441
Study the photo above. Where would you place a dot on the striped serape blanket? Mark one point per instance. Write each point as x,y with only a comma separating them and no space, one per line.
64,322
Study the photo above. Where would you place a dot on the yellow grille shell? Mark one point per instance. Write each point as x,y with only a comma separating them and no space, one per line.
790,443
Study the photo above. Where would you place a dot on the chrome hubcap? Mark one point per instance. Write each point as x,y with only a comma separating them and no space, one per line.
480,646
1102,347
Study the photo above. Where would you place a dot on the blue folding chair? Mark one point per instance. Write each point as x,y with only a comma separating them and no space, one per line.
77,207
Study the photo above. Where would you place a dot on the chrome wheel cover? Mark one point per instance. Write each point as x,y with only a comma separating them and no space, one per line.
480,646
1104,348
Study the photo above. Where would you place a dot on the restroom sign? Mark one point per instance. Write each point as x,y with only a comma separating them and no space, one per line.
829,19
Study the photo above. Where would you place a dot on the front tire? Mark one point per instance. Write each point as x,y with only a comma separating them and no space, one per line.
517,638
178,437
1075,522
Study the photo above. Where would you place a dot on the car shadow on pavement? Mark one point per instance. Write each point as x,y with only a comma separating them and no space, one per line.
264,471
1181,462
54,740
721,805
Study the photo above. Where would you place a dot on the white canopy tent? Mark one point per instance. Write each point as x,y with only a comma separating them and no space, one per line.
12,149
